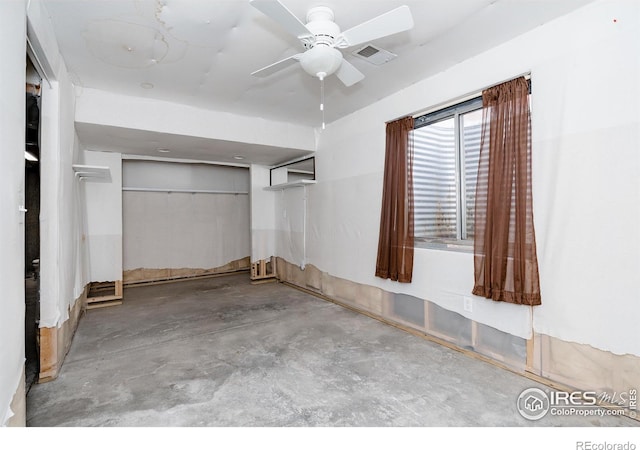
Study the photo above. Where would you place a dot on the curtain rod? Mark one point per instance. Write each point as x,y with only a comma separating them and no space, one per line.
465,97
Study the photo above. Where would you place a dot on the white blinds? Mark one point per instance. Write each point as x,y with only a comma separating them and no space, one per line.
446,154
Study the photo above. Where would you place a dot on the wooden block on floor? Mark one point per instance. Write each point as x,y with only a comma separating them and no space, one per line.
104,304
119,289
102,301
259,270
104,298
264,280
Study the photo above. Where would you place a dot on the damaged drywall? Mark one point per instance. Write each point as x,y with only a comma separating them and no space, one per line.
585,165
63,268
178,215
134,276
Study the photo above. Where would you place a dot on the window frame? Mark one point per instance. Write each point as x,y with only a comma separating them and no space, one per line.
455,111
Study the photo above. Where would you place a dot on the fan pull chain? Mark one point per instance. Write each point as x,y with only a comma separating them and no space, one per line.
322,100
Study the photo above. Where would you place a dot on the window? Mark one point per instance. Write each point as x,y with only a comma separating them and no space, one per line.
446,154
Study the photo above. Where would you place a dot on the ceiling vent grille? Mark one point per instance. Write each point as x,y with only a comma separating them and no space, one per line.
374,55
368,51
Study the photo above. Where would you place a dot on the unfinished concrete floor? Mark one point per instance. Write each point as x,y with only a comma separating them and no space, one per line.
222,352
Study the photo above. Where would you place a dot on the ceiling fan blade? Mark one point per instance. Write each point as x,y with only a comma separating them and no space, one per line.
348,74
392,22
277,66
281,14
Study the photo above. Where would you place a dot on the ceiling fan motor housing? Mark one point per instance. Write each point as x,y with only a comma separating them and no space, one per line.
320,23
321,59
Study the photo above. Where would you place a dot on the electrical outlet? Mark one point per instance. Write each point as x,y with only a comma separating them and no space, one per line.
468,304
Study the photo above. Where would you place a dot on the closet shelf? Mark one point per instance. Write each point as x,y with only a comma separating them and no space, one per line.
92,173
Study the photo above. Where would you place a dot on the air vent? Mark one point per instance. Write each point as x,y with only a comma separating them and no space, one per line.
368,51
374,55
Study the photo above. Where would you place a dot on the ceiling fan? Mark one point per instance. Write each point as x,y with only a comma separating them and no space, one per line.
321,37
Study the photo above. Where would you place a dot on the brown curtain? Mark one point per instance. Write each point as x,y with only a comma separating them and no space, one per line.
505,261
395,245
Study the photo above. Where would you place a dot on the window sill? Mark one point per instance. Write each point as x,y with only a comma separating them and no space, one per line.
453,246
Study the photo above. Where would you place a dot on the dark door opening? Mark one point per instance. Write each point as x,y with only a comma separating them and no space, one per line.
32,224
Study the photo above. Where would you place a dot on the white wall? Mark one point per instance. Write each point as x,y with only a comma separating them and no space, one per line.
262,215
62,253
61,216
586,135
587,188
12,113
103,200
172,229
291,222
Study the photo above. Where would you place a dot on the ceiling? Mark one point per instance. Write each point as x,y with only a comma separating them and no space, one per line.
201,52
176,146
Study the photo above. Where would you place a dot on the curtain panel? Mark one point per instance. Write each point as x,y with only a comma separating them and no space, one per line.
505,261
395,244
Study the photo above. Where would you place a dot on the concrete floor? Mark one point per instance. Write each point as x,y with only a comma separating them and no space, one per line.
222,352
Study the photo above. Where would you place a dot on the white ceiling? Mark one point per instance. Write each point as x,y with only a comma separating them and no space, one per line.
201,52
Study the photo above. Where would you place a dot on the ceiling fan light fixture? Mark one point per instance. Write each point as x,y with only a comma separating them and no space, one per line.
321,37
321,61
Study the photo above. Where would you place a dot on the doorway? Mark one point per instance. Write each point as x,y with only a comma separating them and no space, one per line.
32,223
